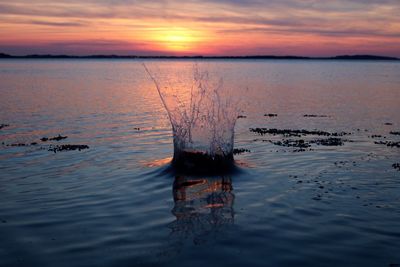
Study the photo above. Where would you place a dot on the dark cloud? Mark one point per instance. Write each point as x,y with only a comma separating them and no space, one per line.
315,31
86,47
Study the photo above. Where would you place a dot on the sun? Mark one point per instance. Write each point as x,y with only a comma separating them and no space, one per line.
177,39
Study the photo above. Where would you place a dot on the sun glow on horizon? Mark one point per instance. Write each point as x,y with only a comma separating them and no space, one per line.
177,39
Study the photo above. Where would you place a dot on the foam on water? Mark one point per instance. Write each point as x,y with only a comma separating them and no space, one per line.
203,115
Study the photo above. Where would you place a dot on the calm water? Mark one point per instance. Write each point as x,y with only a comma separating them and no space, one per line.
118,204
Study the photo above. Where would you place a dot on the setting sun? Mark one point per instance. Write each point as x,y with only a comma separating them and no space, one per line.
177,39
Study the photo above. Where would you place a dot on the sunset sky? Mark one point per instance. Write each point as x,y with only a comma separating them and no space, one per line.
209,27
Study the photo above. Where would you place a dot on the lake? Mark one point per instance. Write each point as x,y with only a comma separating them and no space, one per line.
326,192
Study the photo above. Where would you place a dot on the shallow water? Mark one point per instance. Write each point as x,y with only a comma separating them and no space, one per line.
119,204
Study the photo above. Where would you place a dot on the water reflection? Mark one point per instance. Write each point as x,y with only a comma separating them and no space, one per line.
203,206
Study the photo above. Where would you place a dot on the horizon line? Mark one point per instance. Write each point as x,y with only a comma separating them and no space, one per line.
115,56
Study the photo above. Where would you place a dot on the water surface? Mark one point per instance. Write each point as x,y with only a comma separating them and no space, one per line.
118,203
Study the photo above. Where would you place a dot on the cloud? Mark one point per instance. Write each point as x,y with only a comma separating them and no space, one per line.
236,19
83,47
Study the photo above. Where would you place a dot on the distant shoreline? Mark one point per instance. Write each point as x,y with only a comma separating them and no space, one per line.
341,57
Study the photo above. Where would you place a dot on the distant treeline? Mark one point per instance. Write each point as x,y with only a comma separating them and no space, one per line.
343,57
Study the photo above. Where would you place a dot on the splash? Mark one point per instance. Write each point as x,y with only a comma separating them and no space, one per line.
203,115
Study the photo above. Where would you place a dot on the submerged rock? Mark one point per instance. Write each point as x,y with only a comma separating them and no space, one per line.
271,115
237,151
17,144
67,147
395,133
292,143
315,116
298,133
388,143
56,138
4,125
331,141
396,166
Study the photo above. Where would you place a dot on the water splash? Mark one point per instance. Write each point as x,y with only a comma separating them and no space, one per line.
203,115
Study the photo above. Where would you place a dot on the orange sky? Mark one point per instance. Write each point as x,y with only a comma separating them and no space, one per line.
224,27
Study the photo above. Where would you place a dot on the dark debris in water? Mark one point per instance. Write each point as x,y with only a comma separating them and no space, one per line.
388,123
376,136
395,133
315,116
301,150
344,163
302,145
238,151
396,166
292,143
331,141
241,117
388,143
271,115
17,144
297,133
56,138
58,148
4,125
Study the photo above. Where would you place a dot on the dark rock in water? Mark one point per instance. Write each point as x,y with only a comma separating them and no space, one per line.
67,147
298,133
196,162
271,115
292,143
136,128
4,125
301,150
376,136
331,141
388,143
241,117
396,166
388,123
315,116
380,142
58,138
395,133
237,151
18,144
